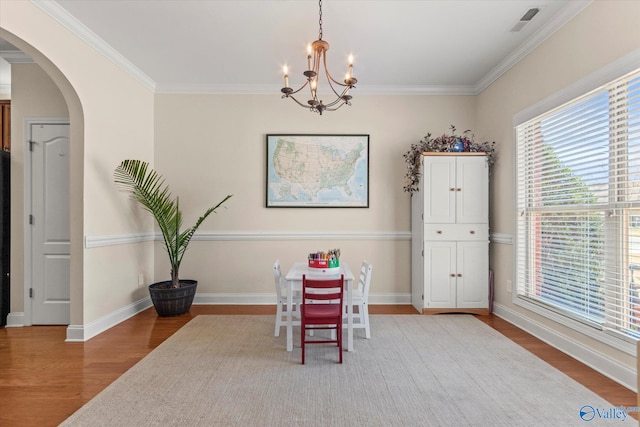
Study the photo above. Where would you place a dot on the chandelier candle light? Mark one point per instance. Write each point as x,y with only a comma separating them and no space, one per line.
318,52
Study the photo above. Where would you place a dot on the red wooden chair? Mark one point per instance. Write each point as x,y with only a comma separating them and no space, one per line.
321,308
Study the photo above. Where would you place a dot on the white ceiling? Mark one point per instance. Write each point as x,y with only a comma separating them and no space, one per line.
240,46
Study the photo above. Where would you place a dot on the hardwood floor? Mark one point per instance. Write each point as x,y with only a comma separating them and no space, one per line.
43,380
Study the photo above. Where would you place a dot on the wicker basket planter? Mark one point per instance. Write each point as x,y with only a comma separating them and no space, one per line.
170,301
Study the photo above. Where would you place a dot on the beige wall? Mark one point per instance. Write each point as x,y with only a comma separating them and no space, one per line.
34,95
212,145
601,34
111,118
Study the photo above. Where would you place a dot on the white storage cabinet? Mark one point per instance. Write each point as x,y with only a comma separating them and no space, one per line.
450,234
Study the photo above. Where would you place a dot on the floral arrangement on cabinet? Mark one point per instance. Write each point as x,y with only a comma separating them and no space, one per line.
452,143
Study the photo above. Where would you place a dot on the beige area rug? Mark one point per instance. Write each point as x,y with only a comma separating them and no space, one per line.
443,370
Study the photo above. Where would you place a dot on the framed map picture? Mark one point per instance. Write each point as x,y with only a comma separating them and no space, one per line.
319,171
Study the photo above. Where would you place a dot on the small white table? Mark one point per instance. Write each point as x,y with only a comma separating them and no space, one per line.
294,282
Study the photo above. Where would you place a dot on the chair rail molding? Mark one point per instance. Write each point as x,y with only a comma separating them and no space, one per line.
97,241
504,238
118,239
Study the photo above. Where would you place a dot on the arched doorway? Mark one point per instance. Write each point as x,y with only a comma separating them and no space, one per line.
21,310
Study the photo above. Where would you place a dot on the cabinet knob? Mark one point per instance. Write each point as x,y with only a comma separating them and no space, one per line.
459,189
452,189
472,232
459,274
453,275
439,231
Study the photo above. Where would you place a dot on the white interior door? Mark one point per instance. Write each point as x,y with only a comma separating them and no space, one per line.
49,222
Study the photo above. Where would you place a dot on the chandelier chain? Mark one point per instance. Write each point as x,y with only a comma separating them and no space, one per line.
320,21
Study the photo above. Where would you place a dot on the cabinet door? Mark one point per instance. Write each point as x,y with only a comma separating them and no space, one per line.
439,175
439,274
472,271
472,190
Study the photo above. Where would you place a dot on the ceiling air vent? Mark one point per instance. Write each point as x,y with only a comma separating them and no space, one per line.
528,16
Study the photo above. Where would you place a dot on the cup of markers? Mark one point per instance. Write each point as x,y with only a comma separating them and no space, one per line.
320,259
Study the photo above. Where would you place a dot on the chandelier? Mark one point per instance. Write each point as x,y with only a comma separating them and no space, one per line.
317,56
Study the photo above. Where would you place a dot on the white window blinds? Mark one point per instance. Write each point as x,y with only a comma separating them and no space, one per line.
578,202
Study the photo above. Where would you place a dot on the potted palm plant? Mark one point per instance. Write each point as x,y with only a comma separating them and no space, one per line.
147,187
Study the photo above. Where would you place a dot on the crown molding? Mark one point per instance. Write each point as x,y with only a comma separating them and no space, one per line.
57,12
414,90
235,89
242,89
569,12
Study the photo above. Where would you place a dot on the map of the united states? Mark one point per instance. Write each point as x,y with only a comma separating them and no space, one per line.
317,170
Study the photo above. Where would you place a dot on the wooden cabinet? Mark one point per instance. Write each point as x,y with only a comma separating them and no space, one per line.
5,125
450,234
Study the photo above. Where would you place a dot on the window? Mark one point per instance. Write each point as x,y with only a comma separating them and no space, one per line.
578,208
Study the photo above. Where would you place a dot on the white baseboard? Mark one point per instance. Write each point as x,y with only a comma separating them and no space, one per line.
234,299
389,299
82,333
15,320
590,357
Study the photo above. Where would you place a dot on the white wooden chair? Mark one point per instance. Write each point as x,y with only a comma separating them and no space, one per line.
360,299
281,300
